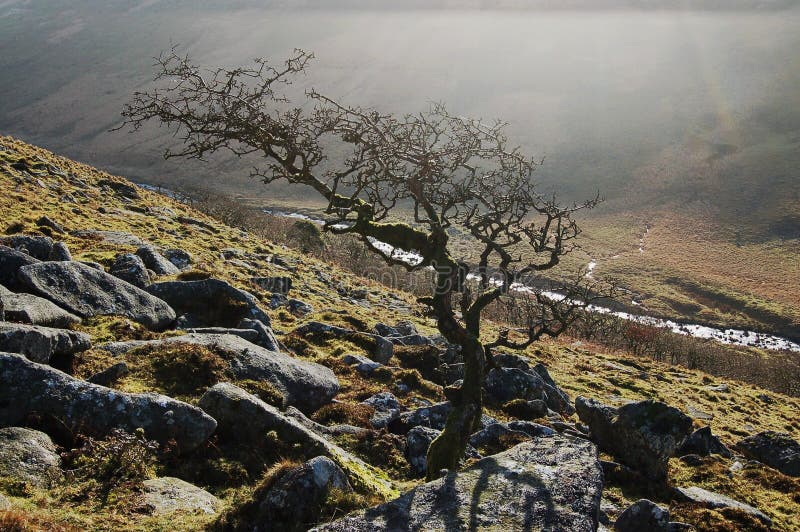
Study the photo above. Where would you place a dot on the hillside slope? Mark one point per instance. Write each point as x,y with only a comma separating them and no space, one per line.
86,201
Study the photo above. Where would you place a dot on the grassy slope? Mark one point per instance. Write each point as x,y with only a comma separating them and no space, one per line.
583,370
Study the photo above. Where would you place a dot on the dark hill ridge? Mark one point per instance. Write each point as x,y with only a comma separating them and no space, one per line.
216,397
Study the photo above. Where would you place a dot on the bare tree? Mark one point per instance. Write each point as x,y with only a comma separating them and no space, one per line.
443,171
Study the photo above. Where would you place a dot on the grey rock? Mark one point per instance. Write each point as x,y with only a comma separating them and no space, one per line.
303,384
5,504
710,499
703,443
382,348
209,302
545,484
247,419
131,269
46,221
387,409
40,344
166,495
296,498
92,264
60,251
277,285
493,436
181,259
117,238
418,440
29,456
643,516
775,449
433,416
28,388
514,378
86,292
246,334
121,188
38,247
11,261
156,261
299,308
110,375
34,310
531,429
265,337
642,435
362,364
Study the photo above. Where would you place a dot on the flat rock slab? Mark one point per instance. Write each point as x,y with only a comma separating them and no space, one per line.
87,292
303,384
709,499
117,238
29,456
34,310
166,495
552,483
27,388
776,449
40,344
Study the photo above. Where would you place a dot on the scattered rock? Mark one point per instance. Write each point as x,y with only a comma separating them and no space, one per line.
109,375
545,484
209,302
166,495
29,456
497,437
33,310
382,349
121,188
387,409
642,435
265,337
515,379
247,419
277,285
5,504
40,344
38,247
156,261
60,251
88,292
418,440
299,308
303,384
775,449
28,388
433,416
721,388
11,261
246,334
703,443
710,499
181,259
295,499
643,516
117,238
46,221
131,269
362,364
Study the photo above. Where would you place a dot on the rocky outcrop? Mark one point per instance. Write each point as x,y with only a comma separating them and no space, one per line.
418,440
497,435
295,499
514,378
155,261
33,310
11,261
86,292
131,269
166,495
180,258
381,348
29,456
40,344
387,409
703,443
545,484
276,285
641,435
433,416
303,384
27,388
209,303
710,499
247,419
643,516
38,247
775,449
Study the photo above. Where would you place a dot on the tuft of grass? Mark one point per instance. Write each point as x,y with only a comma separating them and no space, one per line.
350,413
